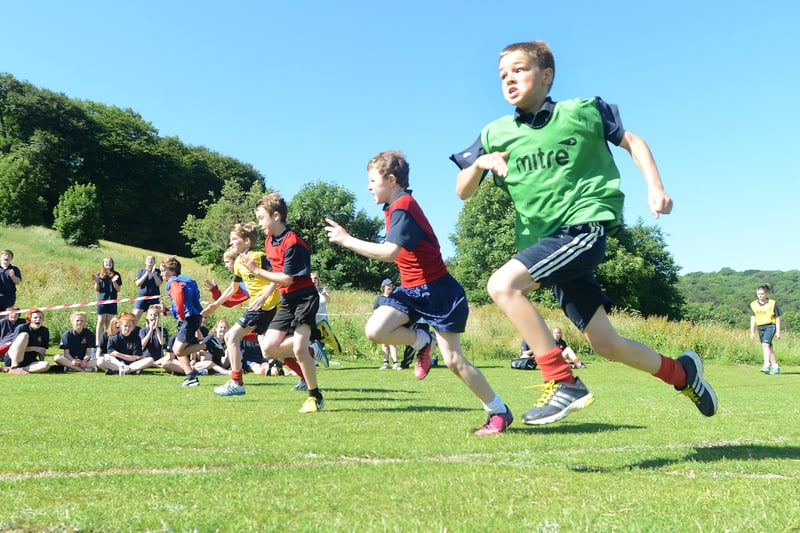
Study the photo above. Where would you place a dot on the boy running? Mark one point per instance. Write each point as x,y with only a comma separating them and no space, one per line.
185,296
552,158
290,259
426,289
261,311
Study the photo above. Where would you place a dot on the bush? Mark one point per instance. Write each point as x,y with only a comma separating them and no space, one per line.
77,216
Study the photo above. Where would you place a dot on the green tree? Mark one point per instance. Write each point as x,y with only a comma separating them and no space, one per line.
341,268
20,201
209,235
483,239
77,216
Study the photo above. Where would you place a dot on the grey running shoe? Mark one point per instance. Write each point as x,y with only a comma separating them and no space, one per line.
557,401
301,386
697,389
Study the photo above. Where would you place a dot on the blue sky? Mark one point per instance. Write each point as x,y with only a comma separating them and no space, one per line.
309,91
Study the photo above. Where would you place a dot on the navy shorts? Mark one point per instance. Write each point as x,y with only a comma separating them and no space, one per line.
442,303
766,333
296,310
257,320
107,309
565,261
28,359
187,329
145,304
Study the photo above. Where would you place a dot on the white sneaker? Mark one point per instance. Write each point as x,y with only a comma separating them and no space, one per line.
396,367
384,366
230,388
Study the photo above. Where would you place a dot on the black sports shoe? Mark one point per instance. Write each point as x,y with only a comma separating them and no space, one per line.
697,389
191,380
557,401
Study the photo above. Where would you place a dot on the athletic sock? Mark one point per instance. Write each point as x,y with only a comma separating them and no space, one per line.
495,407
236,376
292,363
554,368
423,338
315,393
671,372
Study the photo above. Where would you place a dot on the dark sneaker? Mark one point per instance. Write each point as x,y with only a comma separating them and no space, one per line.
697,389
423,365
496,423
191,380
557,401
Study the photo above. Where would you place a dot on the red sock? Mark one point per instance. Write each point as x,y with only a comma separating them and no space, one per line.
554,368
671,372
236,376
292,363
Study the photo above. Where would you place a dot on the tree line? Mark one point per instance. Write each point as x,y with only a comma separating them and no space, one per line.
145,185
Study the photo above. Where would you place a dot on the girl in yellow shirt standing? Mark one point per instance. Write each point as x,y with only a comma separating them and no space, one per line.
766,315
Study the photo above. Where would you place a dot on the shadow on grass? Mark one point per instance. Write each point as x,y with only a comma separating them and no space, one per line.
706,454
575,429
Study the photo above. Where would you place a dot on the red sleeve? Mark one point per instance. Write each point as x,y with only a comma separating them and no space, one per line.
237,298
176,293
215,292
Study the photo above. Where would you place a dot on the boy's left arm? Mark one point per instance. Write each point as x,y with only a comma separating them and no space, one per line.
657,199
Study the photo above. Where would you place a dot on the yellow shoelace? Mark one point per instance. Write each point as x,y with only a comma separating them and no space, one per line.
548,390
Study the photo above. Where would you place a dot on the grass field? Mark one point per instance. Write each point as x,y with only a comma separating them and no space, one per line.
89,452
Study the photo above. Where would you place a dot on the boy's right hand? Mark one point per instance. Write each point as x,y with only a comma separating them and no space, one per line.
496,162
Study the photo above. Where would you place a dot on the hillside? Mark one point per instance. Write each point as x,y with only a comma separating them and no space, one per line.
54,273
728,293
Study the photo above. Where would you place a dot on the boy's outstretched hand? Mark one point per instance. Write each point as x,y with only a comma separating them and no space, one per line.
336,233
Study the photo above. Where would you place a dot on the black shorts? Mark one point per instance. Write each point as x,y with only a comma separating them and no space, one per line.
565,261
258,321
187,329
297,309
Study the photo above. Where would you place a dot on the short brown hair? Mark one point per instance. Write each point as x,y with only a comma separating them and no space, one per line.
391,163
538,51
246,231
274,203
171,263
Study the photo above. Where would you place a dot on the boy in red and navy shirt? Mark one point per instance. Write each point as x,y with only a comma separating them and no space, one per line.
427,290
290,331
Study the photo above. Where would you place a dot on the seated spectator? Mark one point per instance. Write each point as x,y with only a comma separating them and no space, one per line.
27,350
214,358
125,350
78,345
110,331
153,336
8,324
567,352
